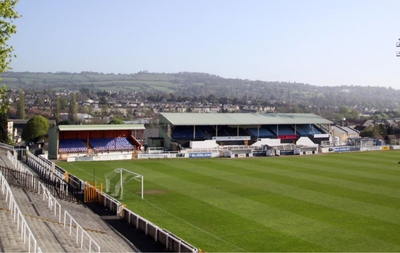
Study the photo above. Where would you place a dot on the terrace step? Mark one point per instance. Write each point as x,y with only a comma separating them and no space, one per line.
36,208
107,229
51,236
10,237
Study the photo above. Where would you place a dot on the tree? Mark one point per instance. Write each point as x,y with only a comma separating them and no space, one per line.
84,109
344,110
4,106
73,109
39,102
382,129
7,28
103,100
35,128
370,131
57,110
354,114
104,110
21,106
63,103
116,121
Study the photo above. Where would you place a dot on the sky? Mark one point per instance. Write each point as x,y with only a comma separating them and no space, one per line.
318,42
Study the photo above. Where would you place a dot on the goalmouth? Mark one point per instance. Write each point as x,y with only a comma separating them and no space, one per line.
116,179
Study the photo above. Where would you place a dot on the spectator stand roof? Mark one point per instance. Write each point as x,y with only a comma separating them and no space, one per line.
101,127
198,119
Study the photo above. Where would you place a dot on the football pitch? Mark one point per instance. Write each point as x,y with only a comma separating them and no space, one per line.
327,202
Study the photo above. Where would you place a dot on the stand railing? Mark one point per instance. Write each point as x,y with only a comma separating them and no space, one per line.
160,235
18,217
80,234
52,202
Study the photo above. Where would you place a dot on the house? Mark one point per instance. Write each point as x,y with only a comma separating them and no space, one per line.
392,139
342,133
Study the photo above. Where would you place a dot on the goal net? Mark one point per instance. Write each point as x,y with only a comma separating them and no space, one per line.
118,178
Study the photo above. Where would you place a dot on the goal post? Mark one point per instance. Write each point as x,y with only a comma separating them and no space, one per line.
118,178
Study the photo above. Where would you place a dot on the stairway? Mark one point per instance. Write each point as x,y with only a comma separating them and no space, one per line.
106,229
10,238
51,234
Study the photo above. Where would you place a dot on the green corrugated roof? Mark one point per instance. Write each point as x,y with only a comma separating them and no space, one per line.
101,127
241,118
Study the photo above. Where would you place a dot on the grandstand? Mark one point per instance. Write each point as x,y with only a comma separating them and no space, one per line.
240,128
69,142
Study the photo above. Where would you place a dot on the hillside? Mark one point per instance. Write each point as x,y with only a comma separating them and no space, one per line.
188,84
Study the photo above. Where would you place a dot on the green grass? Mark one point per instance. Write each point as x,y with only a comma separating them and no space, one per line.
333,202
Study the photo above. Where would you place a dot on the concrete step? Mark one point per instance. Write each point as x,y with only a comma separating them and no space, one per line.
35,208
10,236
49,233
107,237
107,230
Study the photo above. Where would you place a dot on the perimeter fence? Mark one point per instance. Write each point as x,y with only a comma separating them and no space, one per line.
66,184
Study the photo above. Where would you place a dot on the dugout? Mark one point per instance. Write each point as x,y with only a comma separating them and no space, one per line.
241,128
239,153
80,137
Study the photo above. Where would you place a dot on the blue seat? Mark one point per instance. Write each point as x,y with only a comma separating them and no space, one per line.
71,146
111,144
182,132
307,129
261,132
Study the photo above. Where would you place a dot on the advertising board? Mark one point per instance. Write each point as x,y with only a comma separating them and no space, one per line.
200,155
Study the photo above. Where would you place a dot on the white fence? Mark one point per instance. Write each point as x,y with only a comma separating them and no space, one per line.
160,235
12,157
18,217
169,240
44,167
52,202
81,236
44,164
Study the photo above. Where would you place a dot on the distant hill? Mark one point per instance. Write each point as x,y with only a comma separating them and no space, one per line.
202,84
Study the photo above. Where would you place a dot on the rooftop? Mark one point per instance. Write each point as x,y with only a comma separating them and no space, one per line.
101,127
241,118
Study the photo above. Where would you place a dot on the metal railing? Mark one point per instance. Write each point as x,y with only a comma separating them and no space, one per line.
18,217
44,165
163,236
81,236
53,177
12,157
169,240
52,203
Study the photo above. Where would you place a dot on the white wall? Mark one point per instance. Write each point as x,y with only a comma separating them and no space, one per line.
207,144
266,141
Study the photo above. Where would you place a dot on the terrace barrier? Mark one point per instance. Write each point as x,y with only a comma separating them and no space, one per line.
160,235
22,225
12,157
52,202
81,236
55,178
169,240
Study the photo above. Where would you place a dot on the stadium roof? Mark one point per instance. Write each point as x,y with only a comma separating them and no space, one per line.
101,127
241,118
